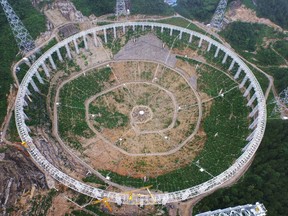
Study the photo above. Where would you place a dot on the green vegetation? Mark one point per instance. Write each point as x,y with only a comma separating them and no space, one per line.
179,21
80,213
282,48
249,4
3,149
71,110
275,10
227,119
151,7
97,7
35,23
249,40
93,179
265,181
280,77
197,9
108,119
40,205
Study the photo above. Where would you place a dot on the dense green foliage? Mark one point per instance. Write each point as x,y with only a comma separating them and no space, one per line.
280,76
275,10
282,48
197,9
265,181
97,7
150,7
35,23
247,36
249,40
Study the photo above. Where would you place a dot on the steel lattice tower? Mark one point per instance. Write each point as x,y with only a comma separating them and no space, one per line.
24,40
246,210
217,19
121,8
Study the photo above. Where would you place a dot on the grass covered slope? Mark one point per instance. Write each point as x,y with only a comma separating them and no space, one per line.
265,181
34,21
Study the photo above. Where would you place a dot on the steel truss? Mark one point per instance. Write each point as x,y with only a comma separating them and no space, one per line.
246,210
121,8
24,40
218,17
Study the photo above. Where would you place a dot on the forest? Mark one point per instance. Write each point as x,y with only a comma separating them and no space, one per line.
266,179
100,7
275,10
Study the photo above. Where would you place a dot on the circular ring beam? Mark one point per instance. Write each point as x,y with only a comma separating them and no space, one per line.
253,140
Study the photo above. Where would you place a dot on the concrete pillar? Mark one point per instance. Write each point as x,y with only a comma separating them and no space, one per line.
114,32
190,39
68,51
162,29
232,65
209,47
59,55
243,82
25,103
252,99
143,28
45,70
95,39
254,123
180,35
171,31
254,111
28,129
52,62
249,138
28,92
27,62
248,90
133,27
238,73
39,77
85,42
152,27
34,85
225,58
105,36
217,52
24,115
124,30
200,42
76,46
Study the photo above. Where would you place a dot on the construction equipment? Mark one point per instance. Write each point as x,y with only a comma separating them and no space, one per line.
23,148
103,201
131,192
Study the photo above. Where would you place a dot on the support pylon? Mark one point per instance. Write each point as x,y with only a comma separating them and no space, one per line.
24,40
218,17
121,8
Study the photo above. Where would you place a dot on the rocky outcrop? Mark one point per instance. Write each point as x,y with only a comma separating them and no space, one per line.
18,176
